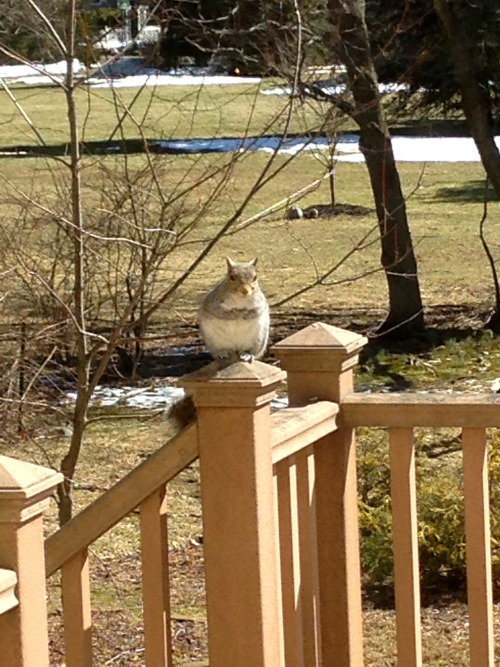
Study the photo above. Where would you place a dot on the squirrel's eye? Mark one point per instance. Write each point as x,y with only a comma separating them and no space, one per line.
232,278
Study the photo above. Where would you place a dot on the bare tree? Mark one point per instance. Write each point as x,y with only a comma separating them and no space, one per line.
89,244
477,107
405,317
476,102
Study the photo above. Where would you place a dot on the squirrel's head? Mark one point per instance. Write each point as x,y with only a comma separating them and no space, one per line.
242,277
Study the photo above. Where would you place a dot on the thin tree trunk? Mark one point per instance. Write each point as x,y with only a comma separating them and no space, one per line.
476,102
405,317
69,462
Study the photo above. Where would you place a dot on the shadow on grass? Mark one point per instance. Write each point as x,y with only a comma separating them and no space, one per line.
105,147
473,191
430,128
443,591
185,351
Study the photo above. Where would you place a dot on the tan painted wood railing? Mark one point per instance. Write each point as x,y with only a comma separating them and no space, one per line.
121,499
67,550
401,413
280,517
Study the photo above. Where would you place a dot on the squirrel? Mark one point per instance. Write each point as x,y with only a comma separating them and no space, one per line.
234,324
234,315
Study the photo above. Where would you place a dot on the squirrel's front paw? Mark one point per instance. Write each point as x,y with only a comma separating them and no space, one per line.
246,356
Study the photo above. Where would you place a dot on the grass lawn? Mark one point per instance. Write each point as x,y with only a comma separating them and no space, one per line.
444,206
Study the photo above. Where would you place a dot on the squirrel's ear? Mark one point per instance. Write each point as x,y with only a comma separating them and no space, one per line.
253,261
229,263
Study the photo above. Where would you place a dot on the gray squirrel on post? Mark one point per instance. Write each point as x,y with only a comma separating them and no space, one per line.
234,315
234,324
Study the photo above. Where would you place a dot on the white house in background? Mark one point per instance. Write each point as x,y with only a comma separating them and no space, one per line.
134,28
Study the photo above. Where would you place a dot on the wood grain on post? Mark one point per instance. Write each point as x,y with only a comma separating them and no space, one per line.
319,361
478,547
155,580
24,494
75,579
234,431
405,546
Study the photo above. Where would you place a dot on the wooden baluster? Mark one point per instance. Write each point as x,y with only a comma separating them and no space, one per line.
286,483
405,546
478,546
75,581
309,584
155,580
319,361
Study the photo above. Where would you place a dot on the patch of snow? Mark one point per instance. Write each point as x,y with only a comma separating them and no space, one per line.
37,73
122,73
180,79
237,144
422,149
337,89
145,398
406,149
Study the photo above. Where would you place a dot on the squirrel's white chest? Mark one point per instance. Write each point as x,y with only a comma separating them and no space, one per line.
231,333
238,335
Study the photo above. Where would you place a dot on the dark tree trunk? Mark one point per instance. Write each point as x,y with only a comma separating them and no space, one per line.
405,317
476,103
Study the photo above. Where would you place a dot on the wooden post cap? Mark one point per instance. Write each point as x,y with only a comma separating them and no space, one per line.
233,385
320,347
24,489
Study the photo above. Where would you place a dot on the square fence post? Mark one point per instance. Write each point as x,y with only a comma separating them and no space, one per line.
24,494
234,427
319,361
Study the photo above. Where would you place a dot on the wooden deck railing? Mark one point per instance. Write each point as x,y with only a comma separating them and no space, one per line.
280,515
67,550
401,413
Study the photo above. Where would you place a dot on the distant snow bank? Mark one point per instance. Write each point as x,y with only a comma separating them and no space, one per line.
406,149
38,73
125,73
421,149
337,89
180,79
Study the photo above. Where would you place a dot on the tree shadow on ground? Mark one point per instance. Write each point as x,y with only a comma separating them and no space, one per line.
442,592
473,191
104,147
185,352
430,128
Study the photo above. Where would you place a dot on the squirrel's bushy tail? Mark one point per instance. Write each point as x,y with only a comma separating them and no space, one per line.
181,413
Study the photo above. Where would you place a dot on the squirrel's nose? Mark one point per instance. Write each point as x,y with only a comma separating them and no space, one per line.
245,290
